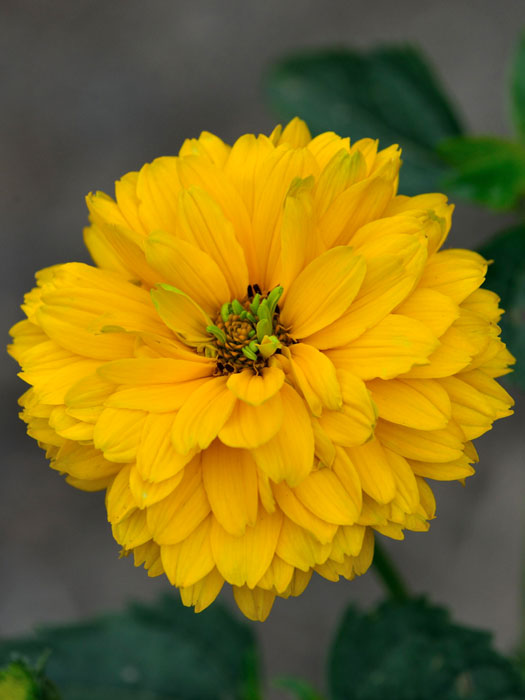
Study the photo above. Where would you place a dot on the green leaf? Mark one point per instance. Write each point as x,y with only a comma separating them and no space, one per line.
506,277
298,687
20,681
412,651
389,93
154,652
489,171
517,88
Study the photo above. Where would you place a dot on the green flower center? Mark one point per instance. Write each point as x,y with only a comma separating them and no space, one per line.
247,333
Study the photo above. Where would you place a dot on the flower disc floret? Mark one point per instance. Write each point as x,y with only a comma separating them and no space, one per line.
246,334
270,359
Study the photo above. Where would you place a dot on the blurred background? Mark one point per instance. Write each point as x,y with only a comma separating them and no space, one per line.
93,89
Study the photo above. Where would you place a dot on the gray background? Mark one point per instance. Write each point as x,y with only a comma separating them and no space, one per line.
94,89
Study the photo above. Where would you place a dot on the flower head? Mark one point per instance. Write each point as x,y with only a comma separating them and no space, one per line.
269,360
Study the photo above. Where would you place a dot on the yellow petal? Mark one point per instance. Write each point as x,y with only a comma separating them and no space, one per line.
251,426
119,499
156,398
255,604
436,310
70,328
230,480
455,273
265,492
180,313
374,513
149,555
185,266
246,157
83,462
300,580
347,541
416,403
369,150
485,303
157,188
295,133
301,515
387,350
128,201
255,389
432,205
89,485
207,145
299,241
324,447
126,244
495,394
102,252
407,496
322,291
354,423
118,432
322,493
364,560
332,570
422,445
426,497
278,576
471,409
157,459
397,235
454,353
299,548
203,415
69,427
346,472
443,471
385,285
496,360
244,559
374,471
189,561
132,531
103,209
38,428
201,222
165,370
289,455
325,146
271,184
175,517
147,493
195,172
100,299
88,392
203,593
362,202
316,377
342,171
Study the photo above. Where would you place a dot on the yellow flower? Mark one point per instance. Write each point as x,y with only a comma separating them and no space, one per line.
269,359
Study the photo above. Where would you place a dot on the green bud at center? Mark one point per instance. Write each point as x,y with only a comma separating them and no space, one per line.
247,332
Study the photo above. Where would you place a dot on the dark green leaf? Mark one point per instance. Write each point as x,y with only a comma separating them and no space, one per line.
412,651
299,688
517,88
490,171
389,93
155,652
506,277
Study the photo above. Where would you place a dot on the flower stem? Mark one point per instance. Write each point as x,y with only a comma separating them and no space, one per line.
389,575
